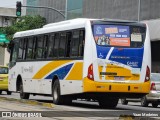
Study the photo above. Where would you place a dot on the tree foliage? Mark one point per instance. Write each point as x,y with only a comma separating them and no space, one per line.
23,23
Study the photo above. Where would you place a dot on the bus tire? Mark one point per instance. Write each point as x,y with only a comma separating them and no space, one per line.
124,101
144,102
22,94
67,100
57,97
9,92
0,92
155,104
108,102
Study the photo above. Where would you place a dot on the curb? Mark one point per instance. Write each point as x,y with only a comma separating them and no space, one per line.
30,102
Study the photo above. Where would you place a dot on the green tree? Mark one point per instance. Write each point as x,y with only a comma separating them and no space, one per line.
23,23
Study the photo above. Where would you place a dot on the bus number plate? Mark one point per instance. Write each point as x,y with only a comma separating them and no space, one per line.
118,78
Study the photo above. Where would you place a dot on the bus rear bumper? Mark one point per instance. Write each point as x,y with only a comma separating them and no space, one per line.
92,86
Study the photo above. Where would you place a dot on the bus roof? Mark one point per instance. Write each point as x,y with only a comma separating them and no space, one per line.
63,25
77,20
52,27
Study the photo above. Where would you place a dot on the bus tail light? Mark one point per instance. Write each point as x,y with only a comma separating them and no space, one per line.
147,77
153,87
90,72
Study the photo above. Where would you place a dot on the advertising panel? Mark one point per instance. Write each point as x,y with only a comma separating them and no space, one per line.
114,35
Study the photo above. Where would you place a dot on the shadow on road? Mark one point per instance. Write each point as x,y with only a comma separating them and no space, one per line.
82,104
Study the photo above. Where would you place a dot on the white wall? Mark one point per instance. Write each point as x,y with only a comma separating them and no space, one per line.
4,56
6,16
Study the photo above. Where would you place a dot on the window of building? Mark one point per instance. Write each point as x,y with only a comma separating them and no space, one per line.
74,8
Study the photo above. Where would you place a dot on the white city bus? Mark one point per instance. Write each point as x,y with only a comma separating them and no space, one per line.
94,59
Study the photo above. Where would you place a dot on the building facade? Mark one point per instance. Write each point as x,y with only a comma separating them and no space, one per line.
4,56
50,15
7,15
122,9
112,9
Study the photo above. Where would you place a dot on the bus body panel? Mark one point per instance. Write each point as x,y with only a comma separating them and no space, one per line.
146,55
37,76
115,87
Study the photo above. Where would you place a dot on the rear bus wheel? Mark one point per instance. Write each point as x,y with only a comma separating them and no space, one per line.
154,104
108,102
9,92
22,94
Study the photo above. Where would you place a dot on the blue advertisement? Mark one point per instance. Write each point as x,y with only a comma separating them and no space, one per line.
112,31
113,35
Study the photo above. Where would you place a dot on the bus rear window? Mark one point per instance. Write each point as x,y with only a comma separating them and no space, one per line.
119,35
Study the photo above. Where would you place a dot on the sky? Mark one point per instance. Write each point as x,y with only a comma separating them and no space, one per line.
9,3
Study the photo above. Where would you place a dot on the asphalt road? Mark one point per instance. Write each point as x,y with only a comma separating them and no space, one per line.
80,109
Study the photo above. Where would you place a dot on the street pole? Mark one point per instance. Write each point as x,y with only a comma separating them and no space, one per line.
66,10
139,9
48,8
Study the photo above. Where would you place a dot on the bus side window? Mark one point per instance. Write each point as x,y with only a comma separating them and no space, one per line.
56,45
81,44
39,50
140,33
14,53
50,46
20,50
34,47
45,42
25,48
68,43
62,44
29,48
75,43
